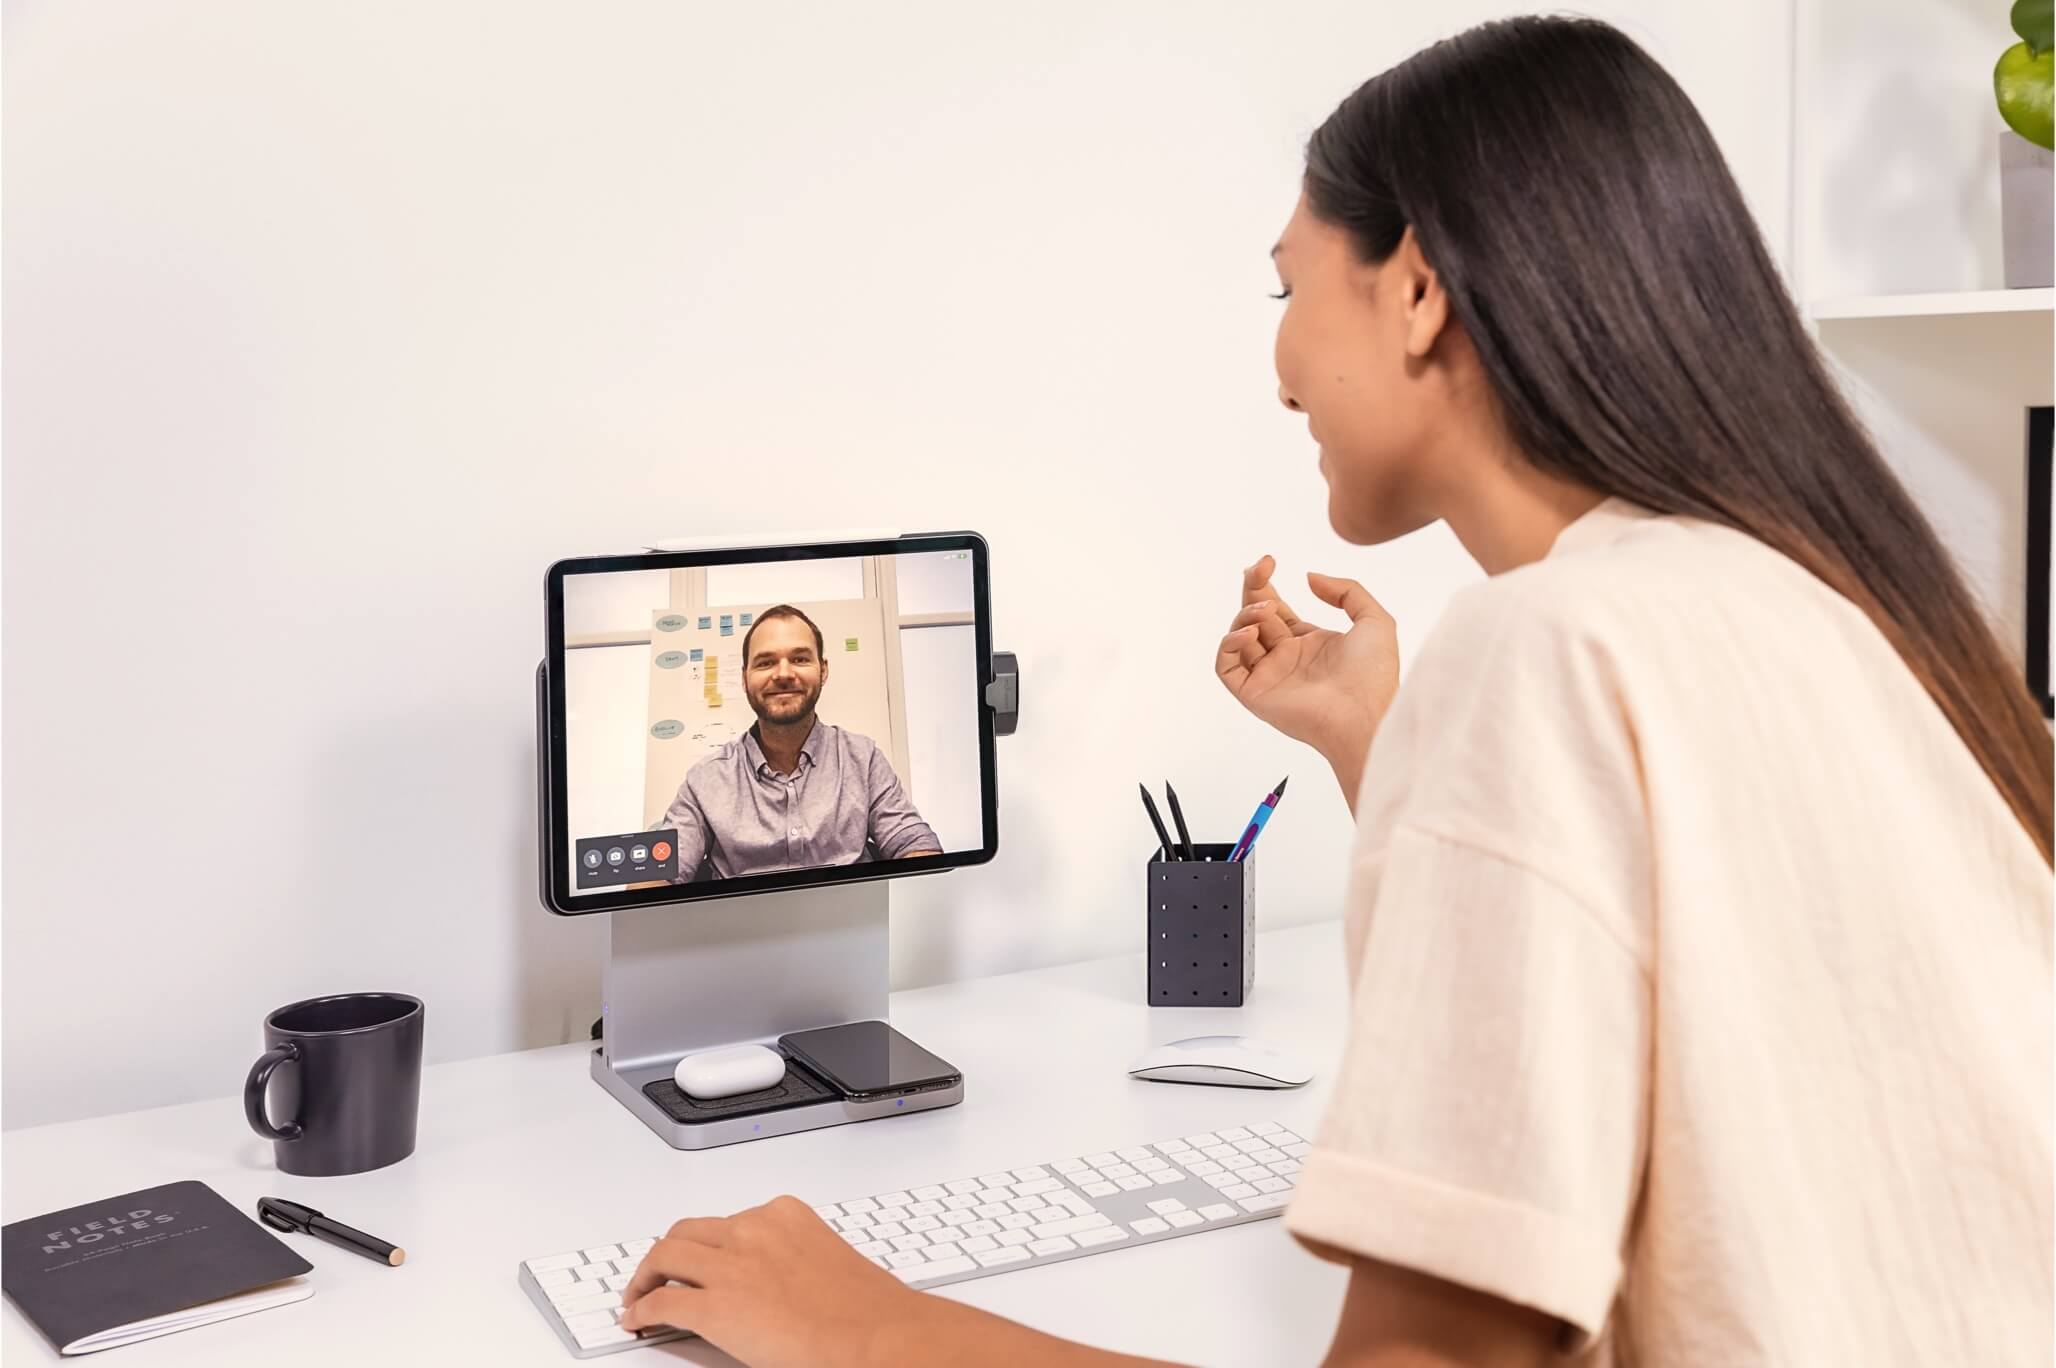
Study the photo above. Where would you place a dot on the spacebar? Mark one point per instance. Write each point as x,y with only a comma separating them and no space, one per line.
941,1268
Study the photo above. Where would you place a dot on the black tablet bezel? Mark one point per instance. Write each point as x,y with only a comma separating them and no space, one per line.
552,739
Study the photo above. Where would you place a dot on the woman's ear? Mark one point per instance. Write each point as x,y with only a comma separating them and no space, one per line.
1423,304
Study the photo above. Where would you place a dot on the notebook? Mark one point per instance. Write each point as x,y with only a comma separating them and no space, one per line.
144,1264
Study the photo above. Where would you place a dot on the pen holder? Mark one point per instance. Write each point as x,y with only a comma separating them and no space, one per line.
1202,929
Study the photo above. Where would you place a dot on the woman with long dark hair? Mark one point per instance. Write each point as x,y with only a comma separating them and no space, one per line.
1699,918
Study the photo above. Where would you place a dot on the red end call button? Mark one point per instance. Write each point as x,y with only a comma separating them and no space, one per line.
661,851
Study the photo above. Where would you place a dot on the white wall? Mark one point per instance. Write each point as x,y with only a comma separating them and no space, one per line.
329,328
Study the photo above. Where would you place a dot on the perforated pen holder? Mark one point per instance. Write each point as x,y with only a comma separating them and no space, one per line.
1202,929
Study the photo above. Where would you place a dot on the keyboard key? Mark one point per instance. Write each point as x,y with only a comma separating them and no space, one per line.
1056,1244
1027,1203
1172,1147
920,1209
934,1192
1164,1206
1233,1133
984,1227
894,1214
884,1230
555,1262
1091,1175
1202,1168
993,1258
591,1320
963,1185
979,1244
1104,1235
594,1272
616,1283
1134,1183
1167,1177
1222,1180
1182,1219
961,1201
923,1223
1013,1237
1151,1164
1017,1220
905,1259
1069,1165
1149,1225
993,1180
1297,1148
1037,1186
1285,1137
556,1277
1071,1225
855,1221
1133,1153
829,1212
956,1218
1266,1201
961,1264
1217,1211
1202,1140
903,1243
1273,1185
949,1249
1100,1160
603,1254
1218,1151
1265,1128
862,1204
1117,1171
598,1301
1239,1191
1286,1166
894,1199
638,1248
571,1291
1073,1203
871,1249
1033,1173
601,1338
991,1211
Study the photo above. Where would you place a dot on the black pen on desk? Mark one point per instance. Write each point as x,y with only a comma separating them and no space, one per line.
280,1214
1178,816
1170,851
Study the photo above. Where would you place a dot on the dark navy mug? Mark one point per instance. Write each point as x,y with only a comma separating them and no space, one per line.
346,1071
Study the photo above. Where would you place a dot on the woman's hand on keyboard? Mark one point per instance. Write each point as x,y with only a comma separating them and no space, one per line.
773,1285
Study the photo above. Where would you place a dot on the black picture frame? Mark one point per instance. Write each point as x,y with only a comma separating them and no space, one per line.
2040,489
555,873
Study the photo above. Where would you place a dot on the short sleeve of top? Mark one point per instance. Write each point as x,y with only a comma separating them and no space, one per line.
1488,1123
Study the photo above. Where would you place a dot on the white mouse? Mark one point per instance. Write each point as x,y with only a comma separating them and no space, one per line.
1225,1061
729,1071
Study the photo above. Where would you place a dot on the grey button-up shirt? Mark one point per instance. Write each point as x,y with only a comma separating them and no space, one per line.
841,804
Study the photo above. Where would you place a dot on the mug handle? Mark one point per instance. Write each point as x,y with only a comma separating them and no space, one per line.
253,1092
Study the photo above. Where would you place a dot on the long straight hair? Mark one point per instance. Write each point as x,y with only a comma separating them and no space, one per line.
1637,337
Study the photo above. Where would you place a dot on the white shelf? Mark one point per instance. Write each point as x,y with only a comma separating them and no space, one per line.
1934,305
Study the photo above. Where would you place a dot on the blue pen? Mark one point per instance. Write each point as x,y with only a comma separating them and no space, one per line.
1256,823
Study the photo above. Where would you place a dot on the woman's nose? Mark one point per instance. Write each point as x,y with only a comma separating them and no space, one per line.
1287,400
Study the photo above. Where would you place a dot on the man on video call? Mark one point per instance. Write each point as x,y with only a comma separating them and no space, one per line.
794,792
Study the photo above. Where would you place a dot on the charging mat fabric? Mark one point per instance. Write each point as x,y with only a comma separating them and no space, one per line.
797,1089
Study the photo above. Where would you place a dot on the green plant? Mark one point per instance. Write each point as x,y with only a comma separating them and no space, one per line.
2023,80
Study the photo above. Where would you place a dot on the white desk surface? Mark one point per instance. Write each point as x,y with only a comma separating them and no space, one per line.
522,1155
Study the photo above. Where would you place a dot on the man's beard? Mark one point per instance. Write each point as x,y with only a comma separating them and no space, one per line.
757,706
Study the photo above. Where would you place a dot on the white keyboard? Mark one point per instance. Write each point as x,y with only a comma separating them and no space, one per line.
939,1233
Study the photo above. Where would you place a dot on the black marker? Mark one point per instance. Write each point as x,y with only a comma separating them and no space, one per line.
280,1214
1170,851
1178,816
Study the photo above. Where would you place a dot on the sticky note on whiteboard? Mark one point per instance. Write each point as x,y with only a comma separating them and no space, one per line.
705,623
748,618
849,643
698,653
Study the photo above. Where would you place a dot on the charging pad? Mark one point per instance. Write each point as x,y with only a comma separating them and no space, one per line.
799,1102
797,1089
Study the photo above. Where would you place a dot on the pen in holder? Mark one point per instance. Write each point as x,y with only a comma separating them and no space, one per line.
1202,929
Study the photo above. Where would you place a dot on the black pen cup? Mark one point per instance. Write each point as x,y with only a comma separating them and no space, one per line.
1202,929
